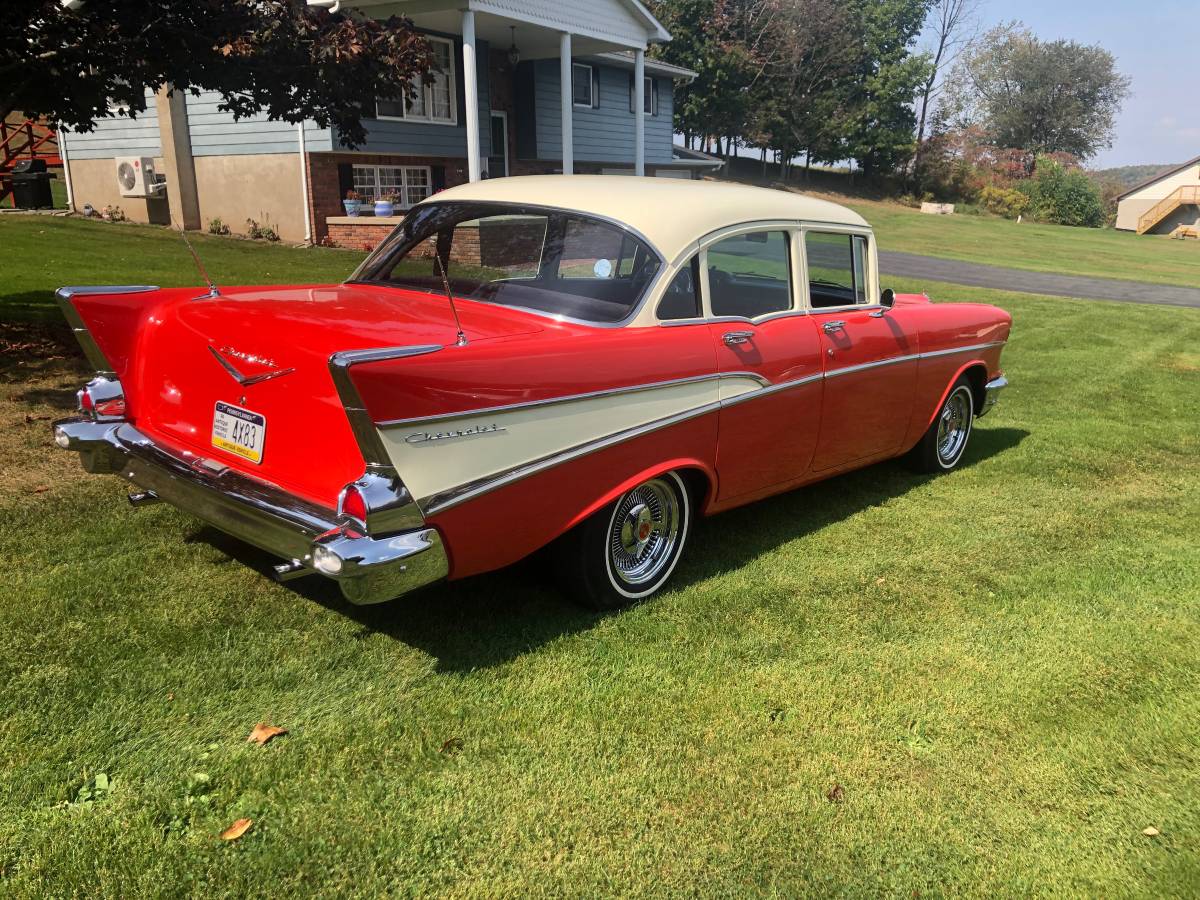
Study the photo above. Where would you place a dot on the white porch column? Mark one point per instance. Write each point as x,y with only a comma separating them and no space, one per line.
639,116
471,94
564,79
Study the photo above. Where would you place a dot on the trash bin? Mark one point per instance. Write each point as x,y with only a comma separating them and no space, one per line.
31,184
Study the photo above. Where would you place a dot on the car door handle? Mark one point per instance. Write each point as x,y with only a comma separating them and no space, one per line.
831,327
737,337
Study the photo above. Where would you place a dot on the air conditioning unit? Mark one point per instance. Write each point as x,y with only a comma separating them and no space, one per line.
136,177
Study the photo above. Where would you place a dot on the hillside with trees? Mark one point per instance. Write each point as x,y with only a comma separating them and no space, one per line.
907,91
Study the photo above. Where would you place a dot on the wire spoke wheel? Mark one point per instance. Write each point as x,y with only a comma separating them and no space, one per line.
644,533
954,426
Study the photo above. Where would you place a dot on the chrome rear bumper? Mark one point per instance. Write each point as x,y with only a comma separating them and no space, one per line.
368,569
992,393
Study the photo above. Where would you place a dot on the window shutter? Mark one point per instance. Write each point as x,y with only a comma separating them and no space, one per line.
345,178
437,178
595,87
654,96
632,93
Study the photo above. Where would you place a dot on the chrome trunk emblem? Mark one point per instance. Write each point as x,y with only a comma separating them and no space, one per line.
246,380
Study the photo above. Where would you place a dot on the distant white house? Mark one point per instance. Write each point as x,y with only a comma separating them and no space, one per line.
1163,203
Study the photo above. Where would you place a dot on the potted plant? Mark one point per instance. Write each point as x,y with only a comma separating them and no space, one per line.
386,204
353,203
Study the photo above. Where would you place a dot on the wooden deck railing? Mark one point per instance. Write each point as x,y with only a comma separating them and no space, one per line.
1166,206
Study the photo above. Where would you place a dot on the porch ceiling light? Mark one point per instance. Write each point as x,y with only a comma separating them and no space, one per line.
514,55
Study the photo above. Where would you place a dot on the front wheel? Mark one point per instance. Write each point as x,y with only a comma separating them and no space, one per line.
628,550
944,443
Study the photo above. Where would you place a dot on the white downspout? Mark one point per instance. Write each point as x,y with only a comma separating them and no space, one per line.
639,116
565,89
62,151
304,183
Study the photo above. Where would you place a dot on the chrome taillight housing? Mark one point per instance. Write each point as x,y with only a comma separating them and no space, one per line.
379,504
103,399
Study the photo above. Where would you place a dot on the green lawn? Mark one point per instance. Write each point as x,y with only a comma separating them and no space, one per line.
993,674
1100,252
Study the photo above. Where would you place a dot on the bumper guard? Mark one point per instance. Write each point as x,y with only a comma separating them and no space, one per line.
308,536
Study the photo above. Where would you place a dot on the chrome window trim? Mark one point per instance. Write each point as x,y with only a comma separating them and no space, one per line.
652,289
570,398
871,262
789,229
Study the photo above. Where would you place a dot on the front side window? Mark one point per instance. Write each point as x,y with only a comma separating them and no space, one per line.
836,268
556,262
750,275
410,184
581,84
432,102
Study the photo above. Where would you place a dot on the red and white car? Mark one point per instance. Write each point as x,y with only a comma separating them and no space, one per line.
615,357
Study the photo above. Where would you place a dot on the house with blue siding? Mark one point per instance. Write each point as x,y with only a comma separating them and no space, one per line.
549,86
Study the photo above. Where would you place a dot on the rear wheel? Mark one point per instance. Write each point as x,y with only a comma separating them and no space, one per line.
628,550
944,443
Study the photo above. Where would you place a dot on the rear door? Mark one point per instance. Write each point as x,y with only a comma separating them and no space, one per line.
768,356
869,356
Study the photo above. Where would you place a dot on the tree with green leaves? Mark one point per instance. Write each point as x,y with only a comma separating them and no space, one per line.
279,57
878,129
1039,96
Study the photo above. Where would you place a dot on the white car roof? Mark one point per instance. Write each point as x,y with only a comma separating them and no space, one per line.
671,213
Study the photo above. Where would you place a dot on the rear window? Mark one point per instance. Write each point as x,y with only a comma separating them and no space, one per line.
550,261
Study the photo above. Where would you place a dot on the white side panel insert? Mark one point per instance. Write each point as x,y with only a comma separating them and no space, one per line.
436,455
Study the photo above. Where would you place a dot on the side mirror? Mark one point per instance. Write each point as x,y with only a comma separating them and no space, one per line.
887,299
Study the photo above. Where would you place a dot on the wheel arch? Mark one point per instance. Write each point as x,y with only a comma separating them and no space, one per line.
698,478
977,373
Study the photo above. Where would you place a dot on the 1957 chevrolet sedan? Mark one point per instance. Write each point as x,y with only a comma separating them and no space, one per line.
582,361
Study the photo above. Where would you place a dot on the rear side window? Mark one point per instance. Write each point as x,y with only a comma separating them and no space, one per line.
836,268
750,274
682,298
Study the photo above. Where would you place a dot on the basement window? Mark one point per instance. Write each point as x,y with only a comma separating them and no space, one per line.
411,184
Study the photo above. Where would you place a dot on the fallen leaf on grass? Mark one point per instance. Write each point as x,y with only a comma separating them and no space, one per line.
1150,832
236,830
41,489
880,580
263,733
835,793
29,420
453,745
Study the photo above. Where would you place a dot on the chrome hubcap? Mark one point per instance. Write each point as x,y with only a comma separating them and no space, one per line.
954,426
644,532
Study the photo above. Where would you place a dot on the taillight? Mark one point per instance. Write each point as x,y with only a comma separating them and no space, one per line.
353,505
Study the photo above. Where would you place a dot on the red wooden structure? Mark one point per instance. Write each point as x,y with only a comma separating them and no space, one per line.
25,139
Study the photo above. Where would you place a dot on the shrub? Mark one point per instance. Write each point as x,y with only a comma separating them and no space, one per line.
1063,196
216,226
1003,201
265,232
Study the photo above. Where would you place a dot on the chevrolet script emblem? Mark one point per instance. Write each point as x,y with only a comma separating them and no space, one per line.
246,380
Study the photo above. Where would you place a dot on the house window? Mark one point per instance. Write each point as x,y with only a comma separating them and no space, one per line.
650,98
432,102
411,184
582,88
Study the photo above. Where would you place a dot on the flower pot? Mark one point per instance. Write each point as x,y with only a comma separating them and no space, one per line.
383,207
352,207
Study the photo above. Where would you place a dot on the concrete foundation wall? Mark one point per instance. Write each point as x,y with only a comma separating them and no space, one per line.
264,187
94,181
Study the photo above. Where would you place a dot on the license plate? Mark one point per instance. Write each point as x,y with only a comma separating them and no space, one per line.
239,431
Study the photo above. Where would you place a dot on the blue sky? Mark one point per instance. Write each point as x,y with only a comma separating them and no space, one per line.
1155,43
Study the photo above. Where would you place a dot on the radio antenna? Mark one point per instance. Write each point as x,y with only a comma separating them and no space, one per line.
213,290
462,338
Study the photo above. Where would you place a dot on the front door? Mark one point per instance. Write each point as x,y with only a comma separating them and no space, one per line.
769,359
870,359
498,160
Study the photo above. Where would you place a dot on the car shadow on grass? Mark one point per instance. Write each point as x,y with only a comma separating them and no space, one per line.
487,620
